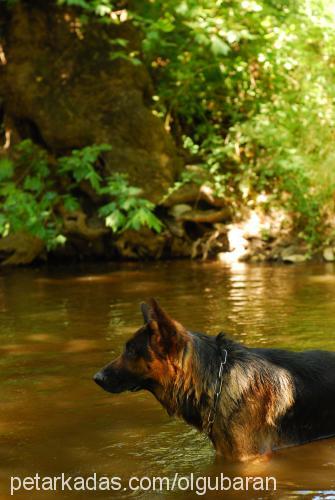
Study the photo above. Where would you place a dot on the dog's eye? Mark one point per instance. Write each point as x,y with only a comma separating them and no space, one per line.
130,351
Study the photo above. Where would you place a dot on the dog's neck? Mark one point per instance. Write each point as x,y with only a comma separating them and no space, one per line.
188,395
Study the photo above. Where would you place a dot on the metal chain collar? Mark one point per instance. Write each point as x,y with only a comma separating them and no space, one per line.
217,393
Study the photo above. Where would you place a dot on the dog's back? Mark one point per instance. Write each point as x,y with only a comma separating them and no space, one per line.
313,414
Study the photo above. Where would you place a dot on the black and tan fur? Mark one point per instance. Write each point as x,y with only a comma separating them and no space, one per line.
270,398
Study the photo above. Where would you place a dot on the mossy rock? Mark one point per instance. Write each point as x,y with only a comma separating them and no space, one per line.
62,88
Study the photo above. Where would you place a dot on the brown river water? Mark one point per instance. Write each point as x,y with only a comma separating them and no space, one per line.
59,325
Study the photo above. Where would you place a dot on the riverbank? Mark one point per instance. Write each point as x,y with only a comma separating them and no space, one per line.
195,225
116,142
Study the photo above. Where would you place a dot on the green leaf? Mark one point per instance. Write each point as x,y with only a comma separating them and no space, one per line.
143,217
219,47
94,178
32,184
6,169
107,209
116,220
71,204
120,41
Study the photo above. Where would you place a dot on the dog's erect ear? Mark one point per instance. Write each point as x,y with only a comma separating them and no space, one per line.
159,315
146,312
167,334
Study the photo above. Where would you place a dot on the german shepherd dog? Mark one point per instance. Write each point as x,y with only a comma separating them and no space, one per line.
249,401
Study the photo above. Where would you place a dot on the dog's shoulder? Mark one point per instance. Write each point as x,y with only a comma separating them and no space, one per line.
309,367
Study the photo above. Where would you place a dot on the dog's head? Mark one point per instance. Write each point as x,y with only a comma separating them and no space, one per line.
150,357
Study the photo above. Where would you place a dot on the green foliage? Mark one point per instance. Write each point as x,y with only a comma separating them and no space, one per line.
28,197
33,195
81,165
247,87
97,7
127,210
251,86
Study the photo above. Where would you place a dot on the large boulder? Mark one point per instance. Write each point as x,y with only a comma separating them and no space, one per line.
62,87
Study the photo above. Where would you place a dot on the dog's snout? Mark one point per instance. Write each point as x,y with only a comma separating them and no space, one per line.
112,379
99,378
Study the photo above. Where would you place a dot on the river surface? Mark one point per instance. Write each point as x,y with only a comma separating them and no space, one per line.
59,325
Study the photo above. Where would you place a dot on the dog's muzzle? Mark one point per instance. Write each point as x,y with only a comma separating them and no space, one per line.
100,379
115,384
